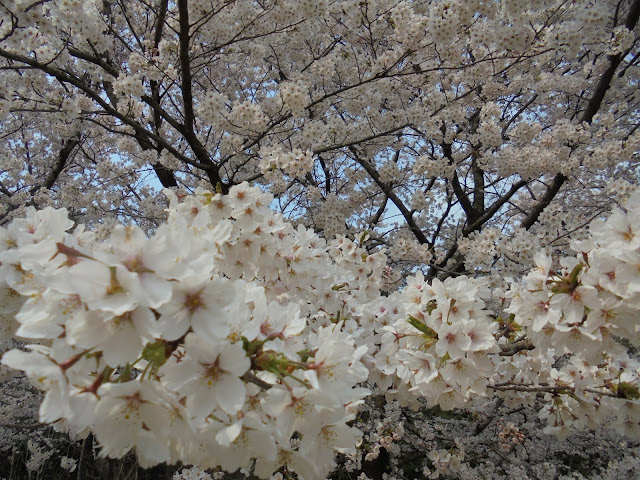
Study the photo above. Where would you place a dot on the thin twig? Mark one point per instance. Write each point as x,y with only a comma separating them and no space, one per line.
250,377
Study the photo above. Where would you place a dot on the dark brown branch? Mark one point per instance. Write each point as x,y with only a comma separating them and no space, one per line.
185,67
513,348
519,112
87,57
491,211
388,191
36,4
51,178
443,217
477,207
187,129
376,217
58,166
164,174
480,427
252,378
462,198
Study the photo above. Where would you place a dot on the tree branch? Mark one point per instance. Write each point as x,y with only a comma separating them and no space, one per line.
187,129
388,191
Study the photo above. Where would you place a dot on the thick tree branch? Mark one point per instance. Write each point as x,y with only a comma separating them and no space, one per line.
493,209
376,217
185,66
513,348
460,195
164,174
60,163
388,191
187,129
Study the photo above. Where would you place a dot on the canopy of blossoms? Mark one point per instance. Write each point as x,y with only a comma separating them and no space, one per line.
426,201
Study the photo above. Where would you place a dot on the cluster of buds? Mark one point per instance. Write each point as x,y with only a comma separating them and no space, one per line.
509,436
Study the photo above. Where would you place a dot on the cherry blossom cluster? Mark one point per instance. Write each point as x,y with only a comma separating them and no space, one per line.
406,248
444,462
147,343
468,94
437,129
434,343
586,310
295,163
491,251
509,436
295,97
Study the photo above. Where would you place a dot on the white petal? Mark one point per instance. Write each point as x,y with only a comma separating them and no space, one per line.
145,322
157,290
174,322
151,449
229,434
230,393
124,345
234,360
202,401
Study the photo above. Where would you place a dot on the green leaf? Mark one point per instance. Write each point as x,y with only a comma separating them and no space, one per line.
428,332
627,390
